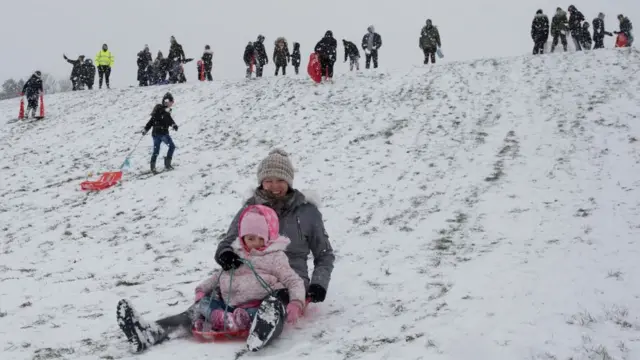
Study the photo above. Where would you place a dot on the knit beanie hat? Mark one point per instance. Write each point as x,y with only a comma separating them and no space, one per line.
254,223
277,165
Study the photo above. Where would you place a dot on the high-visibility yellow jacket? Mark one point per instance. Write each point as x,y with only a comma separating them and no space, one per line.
104,58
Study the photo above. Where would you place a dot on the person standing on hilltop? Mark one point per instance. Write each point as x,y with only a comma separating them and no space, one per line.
76,71
575,26
104,60
295,57
161,121
539,32
88,73
371,42
33,88
625,28
351,52
281,55
207,60
559,29
599,32
327,50
260,55
144,62
429,41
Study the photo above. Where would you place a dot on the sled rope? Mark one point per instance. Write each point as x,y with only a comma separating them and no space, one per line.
262,282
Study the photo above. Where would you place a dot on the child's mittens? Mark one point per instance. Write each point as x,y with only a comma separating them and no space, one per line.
294,312
199,296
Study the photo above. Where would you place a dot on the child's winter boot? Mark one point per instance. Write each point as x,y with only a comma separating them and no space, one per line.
167,163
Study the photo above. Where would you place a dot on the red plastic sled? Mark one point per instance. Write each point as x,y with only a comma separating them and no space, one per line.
107,180
621,40
314,69
217,336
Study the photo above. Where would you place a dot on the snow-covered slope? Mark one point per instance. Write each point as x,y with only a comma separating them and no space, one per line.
479,210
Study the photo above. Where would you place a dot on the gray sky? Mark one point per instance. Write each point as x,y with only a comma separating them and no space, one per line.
46,29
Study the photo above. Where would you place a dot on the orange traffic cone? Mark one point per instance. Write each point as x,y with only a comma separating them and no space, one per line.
21,112
41,105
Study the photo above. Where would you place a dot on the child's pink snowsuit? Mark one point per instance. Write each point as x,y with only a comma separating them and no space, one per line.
270,262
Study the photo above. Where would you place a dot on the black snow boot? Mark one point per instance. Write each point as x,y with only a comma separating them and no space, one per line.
267,324
139,334
167,163
153,164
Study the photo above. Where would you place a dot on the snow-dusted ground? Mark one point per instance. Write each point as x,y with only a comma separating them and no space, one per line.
479,210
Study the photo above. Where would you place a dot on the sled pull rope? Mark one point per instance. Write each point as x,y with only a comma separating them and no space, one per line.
262,282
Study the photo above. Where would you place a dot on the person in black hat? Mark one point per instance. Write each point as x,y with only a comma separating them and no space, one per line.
33,88
539,32
161,121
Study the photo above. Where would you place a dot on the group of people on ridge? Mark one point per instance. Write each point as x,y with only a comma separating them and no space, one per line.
578,28
83,72
255,53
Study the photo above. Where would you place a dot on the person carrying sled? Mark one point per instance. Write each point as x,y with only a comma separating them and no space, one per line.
575,26
88,74
104,60
207,60
539,32
300,221
625,29
327,50
249,58
559,25
260,55
429,41
371,42
33,88
352,53
599,32
161,121
144,62
76,72
295,57
585,36
281,55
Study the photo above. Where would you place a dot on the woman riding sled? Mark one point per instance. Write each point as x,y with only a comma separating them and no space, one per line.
251,259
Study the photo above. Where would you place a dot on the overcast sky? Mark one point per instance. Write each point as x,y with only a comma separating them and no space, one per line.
38,32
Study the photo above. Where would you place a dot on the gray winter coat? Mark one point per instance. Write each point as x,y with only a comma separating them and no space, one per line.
301,222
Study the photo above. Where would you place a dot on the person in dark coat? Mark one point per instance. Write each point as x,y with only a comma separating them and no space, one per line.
144,61
88,73
249,58
261,58
559,26
429,41
351,51
207,59
281,55
161,121
175,59
371,42
625,28
575,26
295,57
76,72
585,37
599,32
159,69
32,89
327,50
539,32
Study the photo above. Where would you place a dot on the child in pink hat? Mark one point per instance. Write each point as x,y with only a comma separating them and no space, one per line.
258,242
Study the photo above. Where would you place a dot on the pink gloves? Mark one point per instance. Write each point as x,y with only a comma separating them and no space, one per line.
294,311
199,296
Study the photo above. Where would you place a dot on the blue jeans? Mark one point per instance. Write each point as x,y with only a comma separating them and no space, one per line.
157,140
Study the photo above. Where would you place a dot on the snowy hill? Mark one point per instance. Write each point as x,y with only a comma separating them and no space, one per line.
479,210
